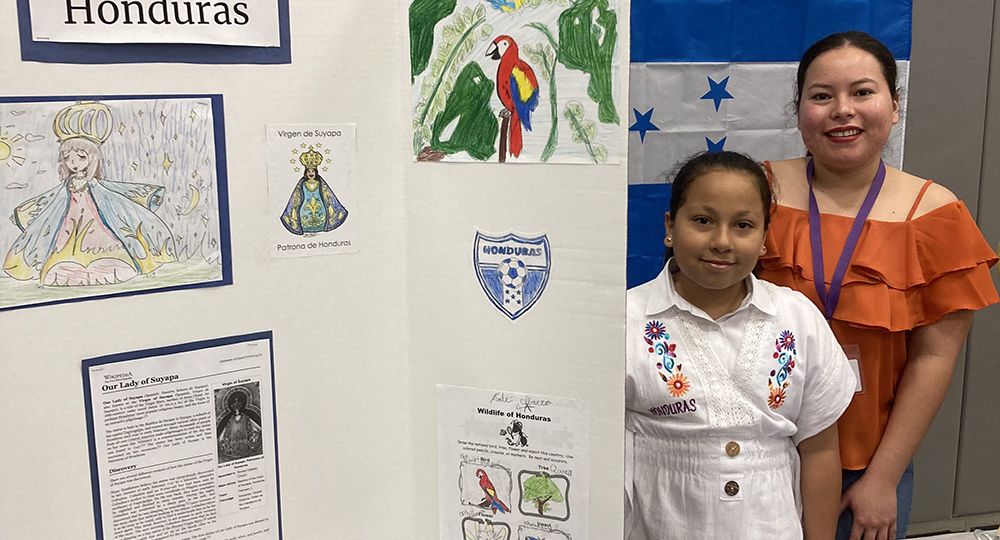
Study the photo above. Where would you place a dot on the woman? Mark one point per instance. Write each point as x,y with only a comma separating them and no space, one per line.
896,263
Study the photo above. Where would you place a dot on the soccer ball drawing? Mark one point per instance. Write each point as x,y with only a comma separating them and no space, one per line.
512,272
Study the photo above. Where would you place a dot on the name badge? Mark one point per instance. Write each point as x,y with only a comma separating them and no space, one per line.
853,353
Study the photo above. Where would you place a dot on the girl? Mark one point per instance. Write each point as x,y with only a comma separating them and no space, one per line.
895,261
730,381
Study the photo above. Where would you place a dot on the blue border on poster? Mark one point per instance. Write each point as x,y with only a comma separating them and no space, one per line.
163,351
137,53
219,127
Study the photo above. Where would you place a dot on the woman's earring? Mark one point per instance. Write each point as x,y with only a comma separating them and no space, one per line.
670,238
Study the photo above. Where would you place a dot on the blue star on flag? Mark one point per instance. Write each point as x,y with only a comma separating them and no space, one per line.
715,147
717,91
643,123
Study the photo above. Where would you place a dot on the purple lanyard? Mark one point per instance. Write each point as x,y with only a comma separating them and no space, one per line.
831,298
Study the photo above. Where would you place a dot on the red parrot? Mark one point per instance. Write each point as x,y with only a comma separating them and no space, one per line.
490,499
517,88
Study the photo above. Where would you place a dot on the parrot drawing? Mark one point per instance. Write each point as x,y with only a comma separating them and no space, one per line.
490,499
517,88
507,6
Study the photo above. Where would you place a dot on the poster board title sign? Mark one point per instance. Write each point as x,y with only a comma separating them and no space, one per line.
219,22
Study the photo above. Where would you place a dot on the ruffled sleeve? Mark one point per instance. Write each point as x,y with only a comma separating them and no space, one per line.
903,274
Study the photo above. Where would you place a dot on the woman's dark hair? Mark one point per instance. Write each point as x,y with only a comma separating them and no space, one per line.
840,40
705,162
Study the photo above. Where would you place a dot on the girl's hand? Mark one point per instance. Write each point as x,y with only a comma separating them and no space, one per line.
873,502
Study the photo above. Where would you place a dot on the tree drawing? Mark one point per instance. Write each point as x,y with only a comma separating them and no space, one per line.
588,34
468,106
424,15
539,490
459,39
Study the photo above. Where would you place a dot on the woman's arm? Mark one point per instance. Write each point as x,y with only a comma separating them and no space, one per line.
931,354
821,476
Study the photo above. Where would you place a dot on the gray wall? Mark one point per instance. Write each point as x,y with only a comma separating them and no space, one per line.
952,137
979,444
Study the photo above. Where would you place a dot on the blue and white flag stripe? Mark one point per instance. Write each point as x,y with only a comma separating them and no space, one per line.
758,117
719,75
759,30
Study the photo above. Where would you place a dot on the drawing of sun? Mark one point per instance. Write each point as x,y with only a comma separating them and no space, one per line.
10,153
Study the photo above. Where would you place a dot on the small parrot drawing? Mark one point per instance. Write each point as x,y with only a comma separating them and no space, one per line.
490,499
507,6
517,88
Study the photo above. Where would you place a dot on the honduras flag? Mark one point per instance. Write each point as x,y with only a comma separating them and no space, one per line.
720,75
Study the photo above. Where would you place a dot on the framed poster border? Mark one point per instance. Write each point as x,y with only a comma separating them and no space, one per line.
221,166
163,351
139,53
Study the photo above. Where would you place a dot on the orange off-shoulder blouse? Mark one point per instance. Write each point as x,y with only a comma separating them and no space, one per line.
903,275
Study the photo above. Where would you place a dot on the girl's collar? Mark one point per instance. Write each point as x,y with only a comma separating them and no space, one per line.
663,296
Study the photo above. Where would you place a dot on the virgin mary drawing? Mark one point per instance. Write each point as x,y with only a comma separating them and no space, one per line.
88,230
239,431
312,207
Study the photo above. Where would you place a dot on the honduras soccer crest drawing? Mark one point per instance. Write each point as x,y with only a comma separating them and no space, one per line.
512,270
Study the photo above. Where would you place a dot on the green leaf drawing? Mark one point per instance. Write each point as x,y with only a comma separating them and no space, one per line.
584,131
545,56
540,489
458,41
469,106
588,33
424,16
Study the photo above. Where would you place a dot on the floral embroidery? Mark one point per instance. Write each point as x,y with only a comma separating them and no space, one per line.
776,399
786,341
657,338
655,331
678,385
666,352
777,381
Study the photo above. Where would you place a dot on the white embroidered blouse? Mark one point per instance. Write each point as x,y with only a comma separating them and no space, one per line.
781,368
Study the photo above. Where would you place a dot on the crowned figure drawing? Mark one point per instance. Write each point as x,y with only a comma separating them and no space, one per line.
88,230
313,207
